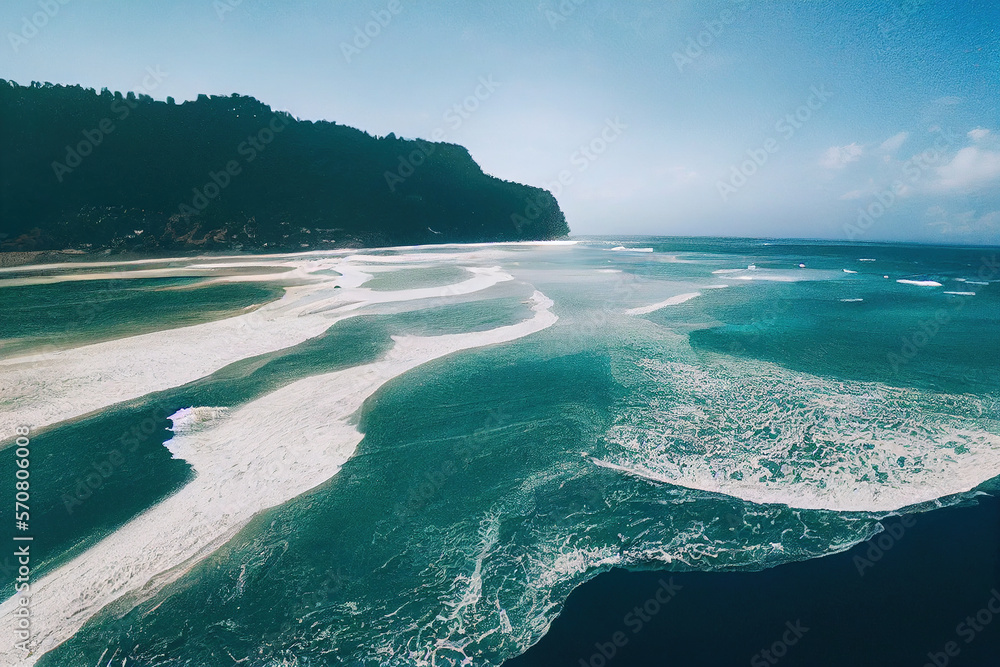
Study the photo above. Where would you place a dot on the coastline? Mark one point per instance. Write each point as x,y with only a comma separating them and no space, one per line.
905,605
237,457
13,260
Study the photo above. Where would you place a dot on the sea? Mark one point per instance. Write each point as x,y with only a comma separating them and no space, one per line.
603,451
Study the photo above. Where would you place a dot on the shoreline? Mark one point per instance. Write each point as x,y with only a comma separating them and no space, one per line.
38,259
233,483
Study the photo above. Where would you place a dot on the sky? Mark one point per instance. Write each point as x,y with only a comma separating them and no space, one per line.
845,120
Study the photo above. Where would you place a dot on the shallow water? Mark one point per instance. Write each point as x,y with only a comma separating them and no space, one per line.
527,447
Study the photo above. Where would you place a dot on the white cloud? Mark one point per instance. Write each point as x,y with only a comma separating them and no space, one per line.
978,134
857,194
971,168
677,174
965,222
869,190
874,189
837,157
892,144
990,221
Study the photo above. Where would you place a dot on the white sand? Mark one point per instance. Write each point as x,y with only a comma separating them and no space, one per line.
259,456
44,389
672,301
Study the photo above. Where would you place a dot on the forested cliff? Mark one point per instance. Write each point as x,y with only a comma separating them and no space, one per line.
88,170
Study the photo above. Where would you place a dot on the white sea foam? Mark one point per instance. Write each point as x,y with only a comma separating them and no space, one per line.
676,259
851,300
849,271
776,275
622,248
672,301
919,283
769,435
258,456
961,293
566,563
47,388
189,420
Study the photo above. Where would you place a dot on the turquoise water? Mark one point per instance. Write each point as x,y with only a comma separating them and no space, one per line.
74,313
80,501
775,419
411,278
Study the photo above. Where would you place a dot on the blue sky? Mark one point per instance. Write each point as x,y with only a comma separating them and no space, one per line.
842,120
